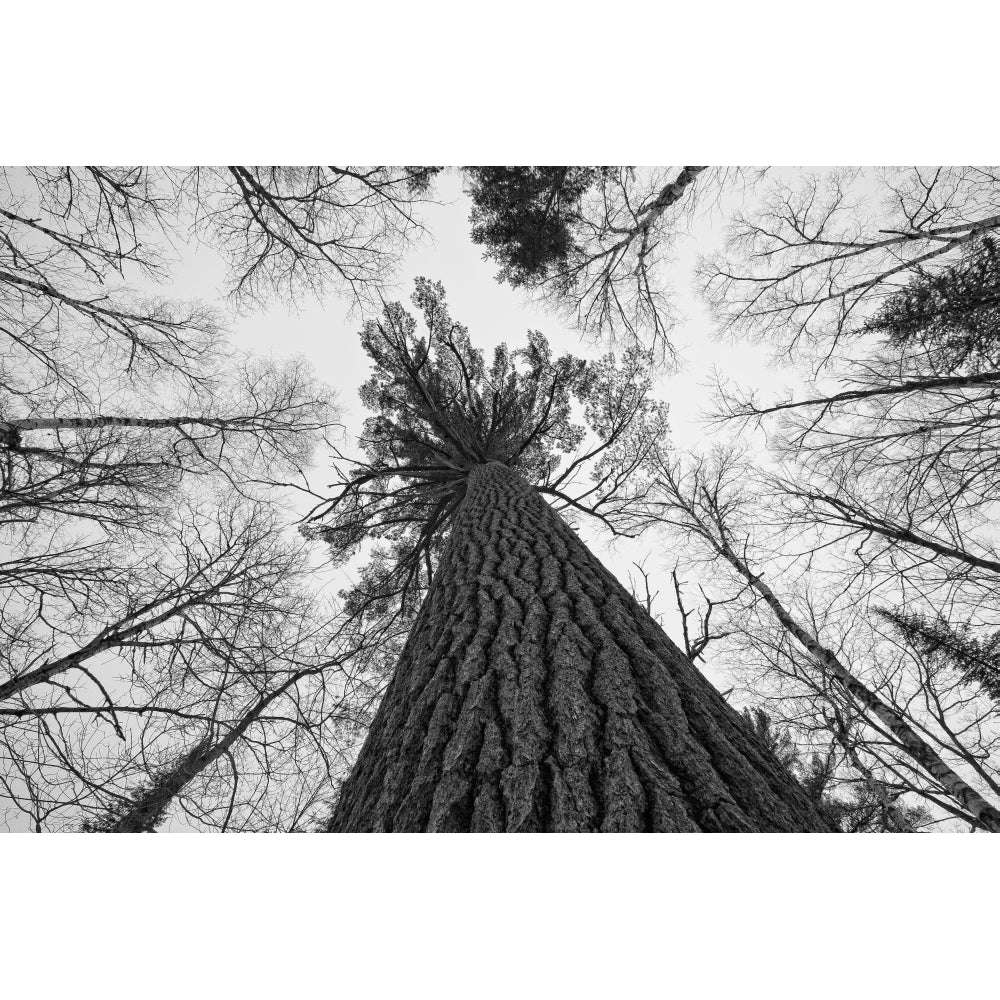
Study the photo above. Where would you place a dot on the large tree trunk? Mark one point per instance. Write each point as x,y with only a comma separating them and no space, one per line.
535,694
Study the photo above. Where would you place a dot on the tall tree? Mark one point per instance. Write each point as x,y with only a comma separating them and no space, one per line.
533,692
907,450
211,637
525,216
295,229
146,808
974,652
885,282
808,261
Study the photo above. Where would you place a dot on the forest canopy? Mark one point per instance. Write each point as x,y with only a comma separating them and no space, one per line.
603,552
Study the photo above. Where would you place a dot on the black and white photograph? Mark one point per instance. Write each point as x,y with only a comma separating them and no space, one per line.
436,571
479,497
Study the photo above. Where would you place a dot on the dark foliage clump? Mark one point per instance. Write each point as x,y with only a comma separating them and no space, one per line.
953,315
976,658
525,216
581,432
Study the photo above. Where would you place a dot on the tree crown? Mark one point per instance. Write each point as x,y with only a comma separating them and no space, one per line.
952,316
524,216
581,432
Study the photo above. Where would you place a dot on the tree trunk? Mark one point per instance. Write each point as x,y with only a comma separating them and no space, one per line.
146,811
894,721
535,694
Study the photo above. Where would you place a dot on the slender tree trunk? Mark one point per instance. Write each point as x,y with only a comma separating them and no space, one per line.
668,195
11,431
857,517
145,812
535,694
108,639
877,788
894,721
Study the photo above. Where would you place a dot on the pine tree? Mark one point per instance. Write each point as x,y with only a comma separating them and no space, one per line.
977,658
525,216
533,692
588,242
951,316
777,739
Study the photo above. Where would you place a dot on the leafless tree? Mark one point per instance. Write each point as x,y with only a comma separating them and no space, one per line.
214,643
882,478
151,608
818,653
805,266
281,229
295,229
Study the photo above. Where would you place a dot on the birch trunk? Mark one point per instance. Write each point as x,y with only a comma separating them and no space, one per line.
921,752
12,430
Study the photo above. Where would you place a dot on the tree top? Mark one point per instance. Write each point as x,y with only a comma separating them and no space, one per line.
581,432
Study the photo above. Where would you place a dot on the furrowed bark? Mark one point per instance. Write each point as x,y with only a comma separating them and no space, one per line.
535,694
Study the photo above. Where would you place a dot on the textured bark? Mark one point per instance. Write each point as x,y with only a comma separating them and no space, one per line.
535,694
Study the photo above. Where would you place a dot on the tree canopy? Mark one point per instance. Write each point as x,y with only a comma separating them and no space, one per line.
526,217
581,432
154,608
590,242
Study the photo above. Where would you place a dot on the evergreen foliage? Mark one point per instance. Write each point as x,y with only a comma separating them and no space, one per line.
581,432
976,657
952,316
525,216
